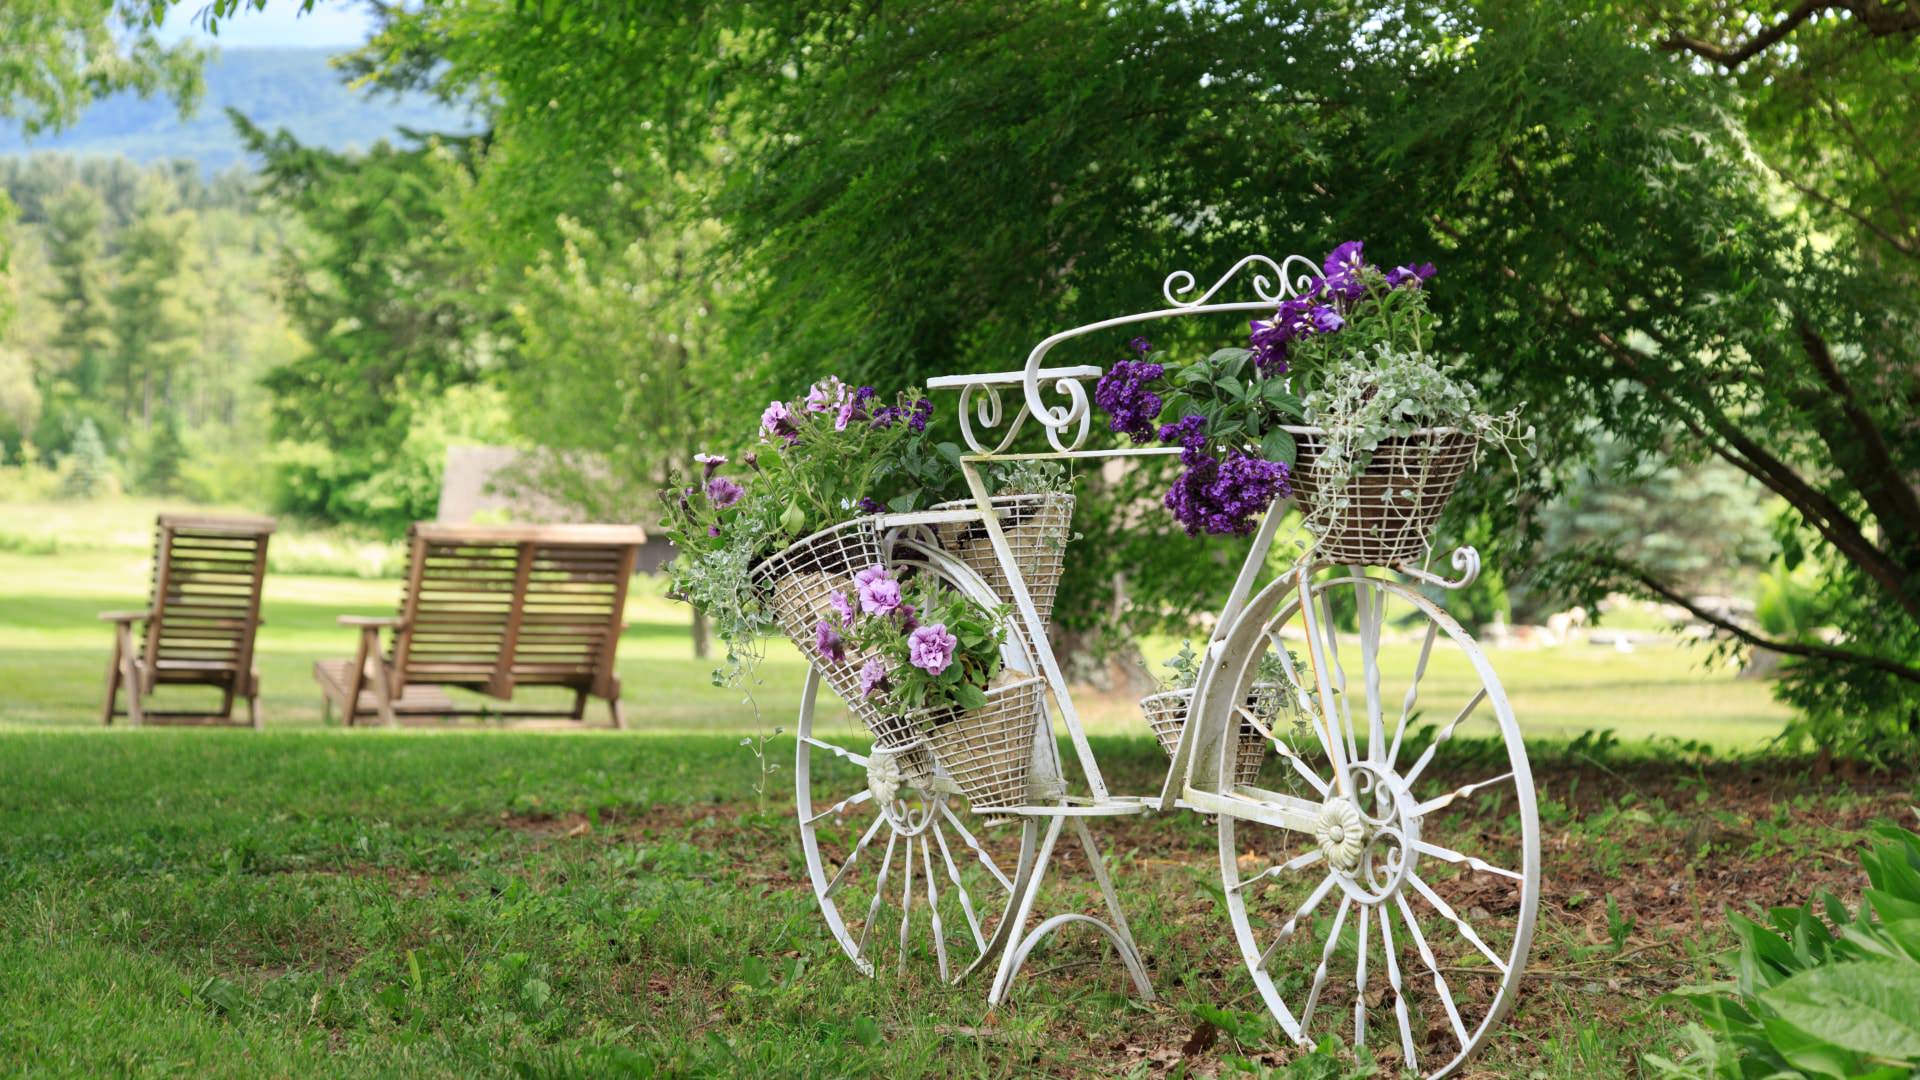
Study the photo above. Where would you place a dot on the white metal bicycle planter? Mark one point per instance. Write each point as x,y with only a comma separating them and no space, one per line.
1371,879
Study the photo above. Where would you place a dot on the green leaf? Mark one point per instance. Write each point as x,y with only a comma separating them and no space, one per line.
866,1031
969,696
1870,1007
1279,446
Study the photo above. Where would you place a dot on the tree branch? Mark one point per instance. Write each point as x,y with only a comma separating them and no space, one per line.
1785,648
1886,491
1878,18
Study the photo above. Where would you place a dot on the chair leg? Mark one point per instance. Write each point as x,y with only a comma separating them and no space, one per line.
226,705
619,713
579,704
383,689
113,684
253,700
326,711
129,676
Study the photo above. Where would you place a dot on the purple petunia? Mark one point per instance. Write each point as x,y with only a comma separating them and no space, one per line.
713,530
873,678
842,605
1123,393
710,463
827,395
722,492
930,648
1325,320
869,575
1412,275
777,419
880,596
1345,258
828,642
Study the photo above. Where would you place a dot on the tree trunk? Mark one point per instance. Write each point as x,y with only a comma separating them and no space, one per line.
702,642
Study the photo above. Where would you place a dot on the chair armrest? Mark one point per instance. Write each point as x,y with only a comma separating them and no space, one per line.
371,621
124,616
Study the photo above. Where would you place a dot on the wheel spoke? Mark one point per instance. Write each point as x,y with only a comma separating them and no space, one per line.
1459,793
842,806
879,887
1339,674
966,902
1446,912
906,904
1321,723
1302,696
1293,923
836,751
1360,983
1446,733
1399,992
1326,958
1298,862
1426,956
840,876
1471,862
933,907
1413,693
985,859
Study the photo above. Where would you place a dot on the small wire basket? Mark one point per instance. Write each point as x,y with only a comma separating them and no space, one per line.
1166,715
1037,528
1387,513
988,751
799,580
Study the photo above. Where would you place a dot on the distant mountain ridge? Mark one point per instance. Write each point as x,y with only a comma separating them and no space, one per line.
293,89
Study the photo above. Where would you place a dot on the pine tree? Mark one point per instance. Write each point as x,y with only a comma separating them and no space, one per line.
76,367
88,471
150,327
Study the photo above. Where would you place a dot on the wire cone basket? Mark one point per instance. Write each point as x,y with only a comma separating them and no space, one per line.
1166,715
1037,529
799,580
1387,513
987,751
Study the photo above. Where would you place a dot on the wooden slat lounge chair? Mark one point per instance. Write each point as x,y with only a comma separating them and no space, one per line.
493,609
200,623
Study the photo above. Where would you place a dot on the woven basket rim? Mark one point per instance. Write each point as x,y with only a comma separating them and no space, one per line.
965,503
1164,695
759,569
1313,429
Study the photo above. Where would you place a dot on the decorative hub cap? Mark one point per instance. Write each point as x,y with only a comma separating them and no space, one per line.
884,777
1341,834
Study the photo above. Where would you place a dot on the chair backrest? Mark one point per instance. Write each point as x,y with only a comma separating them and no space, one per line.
206,591
493,607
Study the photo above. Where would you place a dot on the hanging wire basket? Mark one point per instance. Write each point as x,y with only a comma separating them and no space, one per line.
1387,513
1166,715
798,581
1037,528
988,751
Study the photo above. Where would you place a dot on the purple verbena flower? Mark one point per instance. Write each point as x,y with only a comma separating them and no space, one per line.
1222,497
930,648
873,678
869,505
827,641
1191,433
1140,345
722,492
1123,393
922,412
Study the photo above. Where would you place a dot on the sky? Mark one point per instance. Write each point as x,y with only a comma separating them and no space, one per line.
332,24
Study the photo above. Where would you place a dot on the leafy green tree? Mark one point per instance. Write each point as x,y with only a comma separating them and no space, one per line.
395,310
151,323
61,54
929,187
73,374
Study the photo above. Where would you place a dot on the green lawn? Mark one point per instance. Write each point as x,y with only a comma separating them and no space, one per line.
462,902
60,564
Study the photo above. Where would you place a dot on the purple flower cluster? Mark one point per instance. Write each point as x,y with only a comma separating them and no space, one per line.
1320,307
1123,392
1216,496
916,417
